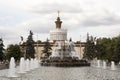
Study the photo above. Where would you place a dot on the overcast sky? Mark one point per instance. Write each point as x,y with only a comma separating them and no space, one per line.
101,18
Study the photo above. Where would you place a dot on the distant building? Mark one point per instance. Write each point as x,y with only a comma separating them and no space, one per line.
56,34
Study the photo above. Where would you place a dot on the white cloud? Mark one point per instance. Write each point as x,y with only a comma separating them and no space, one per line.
107,20
98,17
47,8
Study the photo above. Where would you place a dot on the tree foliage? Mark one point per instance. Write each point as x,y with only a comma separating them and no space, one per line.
2,50
90,48
47,49
108,49
13,51
105,49
117,50
30,51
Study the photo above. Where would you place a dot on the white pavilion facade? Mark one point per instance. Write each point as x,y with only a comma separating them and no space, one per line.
57,34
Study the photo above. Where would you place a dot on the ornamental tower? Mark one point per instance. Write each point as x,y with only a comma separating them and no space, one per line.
58,22
58,34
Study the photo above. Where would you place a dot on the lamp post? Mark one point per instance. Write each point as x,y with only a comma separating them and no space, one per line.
25,51
37,47
80,47
95,44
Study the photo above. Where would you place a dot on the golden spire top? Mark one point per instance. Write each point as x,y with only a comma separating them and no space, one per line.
58,13
58,22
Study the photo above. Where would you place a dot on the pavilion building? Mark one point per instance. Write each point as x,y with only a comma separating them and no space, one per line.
57,34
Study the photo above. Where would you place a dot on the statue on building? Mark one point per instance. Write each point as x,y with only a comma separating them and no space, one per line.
21,42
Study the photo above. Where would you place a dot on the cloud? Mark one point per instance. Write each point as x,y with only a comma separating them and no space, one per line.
18,17
9,35
5,17
36,25
48,8
106,20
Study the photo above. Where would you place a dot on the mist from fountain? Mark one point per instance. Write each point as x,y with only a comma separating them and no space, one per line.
49,73
72,49
113,67
12,69
31,64
64,49
98,63
36,63
104,65
22,65
27,67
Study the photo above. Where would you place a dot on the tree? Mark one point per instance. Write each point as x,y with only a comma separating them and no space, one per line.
100,49
117,50
13,51
106,49
47,49
2,54
30,51
90,48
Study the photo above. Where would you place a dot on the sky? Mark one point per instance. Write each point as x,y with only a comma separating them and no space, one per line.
100,18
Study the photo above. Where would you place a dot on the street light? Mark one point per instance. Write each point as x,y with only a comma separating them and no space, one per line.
80,46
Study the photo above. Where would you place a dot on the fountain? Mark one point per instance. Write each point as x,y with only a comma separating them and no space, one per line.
98,63
63,54
104,64
22,65
12,69
31,64
36,63
113,65
27,67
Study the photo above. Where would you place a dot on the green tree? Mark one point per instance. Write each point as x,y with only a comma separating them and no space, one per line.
2,50
13,51
103,48
30,51
47,49
106,48
116,56
90,48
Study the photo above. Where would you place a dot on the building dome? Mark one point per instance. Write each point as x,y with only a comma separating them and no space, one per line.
58,34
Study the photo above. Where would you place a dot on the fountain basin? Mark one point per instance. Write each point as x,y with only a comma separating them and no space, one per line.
4,66
65,62
64,55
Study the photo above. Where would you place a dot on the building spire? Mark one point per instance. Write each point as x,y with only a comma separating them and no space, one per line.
58,22
58,13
